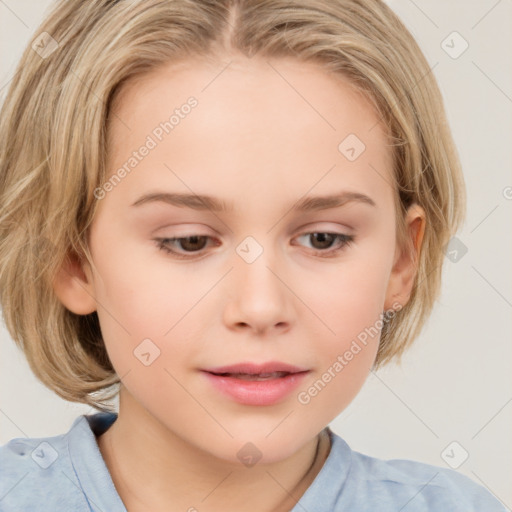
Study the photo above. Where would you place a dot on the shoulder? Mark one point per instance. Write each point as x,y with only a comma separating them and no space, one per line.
411,485
425,486
37,473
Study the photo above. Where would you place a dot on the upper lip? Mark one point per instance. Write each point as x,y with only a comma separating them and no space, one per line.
256,369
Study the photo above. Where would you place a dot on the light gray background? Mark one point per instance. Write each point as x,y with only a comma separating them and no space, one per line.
455,383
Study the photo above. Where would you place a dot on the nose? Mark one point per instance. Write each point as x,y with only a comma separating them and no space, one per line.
259,299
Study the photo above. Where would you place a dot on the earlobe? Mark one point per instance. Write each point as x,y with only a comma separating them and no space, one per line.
73,286
404,270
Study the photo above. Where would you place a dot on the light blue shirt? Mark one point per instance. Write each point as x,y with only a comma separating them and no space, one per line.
66,473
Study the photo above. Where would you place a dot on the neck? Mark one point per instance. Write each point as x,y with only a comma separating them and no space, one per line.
155,469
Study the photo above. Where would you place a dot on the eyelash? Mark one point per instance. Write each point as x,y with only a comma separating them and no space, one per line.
345,240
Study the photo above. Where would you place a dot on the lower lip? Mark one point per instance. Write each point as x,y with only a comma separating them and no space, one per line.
257,392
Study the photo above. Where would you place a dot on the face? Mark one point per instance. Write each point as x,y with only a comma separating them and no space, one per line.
184,286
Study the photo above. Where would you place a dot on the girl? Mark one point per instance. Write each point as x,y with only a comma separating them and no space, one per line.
228,213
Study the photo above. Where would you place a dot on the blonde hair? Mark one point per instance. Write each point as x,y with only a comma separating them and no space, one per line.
54,125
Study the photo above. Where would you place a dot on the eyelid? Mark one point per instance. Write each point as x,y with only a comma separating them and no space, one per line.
303,230
320,227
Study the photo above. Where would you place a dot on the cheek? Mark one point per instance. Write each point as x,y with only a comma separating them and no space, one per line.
146,292
141,309
346,339
148,322
344,360
348,297
144,298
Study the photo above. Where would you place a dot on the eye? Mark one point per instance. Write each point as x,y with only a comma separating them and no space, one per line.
323,241
193,244
189,244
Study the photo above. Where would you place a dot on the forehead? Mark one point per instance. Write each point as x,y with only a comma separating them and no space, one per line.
257,121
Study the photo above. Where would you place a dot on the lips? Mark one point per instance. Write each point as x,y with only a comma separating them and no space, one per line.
252,371
256,384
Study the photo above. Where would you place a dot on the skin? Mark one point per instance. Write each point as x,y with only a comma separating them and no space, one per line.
253,141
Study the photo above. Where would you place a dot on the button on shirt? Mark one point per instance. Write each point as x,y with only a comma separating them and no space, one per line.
67,473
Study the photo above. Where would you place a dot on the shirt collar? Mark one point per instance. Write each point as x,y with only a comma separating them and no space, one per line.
102,496
88,463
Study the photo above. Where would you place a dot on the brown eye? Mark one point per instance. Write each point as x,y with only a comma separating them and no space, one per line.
192,243
322,242
182,247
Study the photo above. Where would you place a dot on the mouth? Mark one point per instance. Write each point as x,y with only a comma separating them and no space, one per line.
256,384
254,371
253,376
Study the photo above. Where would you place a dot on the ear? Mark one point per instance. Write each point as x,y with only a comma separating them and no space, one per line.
73,286
404,270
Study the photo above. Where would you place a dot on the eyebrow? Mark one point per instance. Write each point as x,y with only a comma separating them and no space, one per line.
205,202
